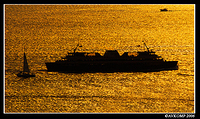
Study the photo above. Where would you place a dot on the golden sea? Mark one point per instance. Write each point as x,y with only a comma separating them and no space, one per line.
48,32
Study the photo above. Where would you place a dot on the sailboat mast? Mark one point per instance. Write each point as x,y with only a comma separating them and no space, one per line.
25,67
24,63
24,60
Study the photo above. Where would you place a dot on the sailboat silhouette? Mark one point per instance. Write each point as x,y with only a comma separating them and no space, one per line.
26,72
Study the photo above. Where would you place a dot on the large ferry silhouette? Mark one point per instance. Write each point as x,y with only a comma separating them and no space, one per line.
111,61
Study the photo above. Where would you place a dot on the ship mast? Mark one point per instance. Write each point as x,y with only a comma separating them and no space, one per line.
146,46
77,47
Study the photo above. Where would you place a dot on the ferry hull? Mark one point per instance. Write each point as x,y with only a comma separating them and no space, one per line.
132,66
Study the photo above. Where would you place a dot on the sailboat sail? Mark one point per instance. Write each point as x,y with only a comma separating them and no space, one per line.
26,69
26,72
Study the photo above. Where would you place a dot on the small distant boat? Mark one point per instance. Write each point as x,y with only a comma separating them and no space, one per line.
165,9
26,72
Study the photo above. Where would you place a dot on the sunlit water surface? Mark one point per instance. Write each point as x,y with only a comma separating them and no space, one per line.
48,32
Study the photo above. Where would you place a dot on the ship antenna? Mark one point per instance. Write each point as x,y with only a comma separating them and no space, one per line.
77,47
146,46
